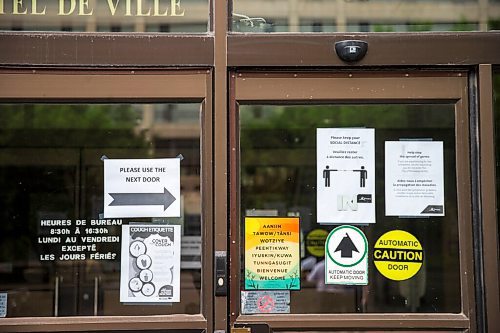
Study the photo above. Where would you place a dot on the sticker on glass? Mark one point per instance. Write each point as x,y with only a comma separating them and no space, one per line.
346,256
315,242
269,301
272,253
398,255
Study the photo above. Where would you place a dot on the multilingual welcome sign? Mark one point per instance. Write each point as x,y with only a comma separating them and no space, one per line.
272,253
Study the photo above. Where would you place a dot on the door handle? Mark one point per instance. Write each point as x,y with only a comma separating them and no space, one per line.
56,296
96,295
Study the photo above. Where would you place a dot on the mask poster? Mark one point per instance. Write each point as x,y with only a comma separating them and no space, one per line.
150,263
345,160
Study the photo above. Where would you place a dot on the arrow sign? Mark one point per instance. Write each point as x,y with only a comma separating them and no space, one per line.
346,247
142,199
142,187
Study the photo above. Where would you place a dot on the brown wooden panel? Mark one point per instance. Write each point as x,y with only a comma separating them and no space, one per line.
85,324
385,321
489,198
98,86
105,49
304,87
383,49
220,176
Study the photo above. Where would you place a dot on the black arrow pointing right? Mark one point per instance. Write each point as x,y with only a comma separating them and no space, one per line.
143,199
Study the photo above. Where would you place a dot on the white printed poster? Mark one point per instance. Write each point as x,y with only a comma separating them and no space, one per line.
414,178
150,263
142,187
345,175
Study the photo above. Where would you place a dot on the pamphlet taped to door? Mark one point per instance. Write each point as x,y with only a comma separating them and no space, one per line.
414,178
150,263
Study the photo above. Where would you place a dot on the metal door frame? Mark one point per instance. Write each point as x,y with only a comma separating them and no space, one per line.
290,87
126,86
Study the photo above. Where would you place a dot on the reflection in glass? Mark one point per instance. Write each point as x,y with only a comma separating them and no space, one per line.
51,169
278,177
364,15
174,16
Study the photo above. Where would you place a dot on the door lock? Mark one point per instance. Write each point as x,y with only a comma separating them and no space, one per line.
221,273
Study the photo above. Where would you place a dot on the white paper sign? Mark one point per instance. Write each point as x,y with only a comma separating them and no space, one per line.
150,263
345,175
142,187
414,183
3,305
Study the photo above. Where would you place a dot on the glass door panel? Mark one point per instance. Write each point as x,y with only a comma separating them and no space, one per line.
278,173
51,171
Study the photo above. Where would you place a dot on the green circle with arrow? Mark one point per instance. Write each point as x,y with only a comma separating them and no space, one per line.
346,246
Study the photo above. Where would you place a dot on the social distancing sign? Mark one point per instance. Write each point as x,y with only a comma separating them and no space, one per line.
398,255
345,176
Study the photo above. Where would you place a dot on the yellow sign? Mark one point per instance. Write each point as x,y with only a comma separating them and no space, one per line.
398,255
272,253
315,242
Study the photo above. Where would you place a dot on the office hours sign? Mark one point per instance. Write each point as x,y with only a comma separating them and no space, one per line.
345,175
414,178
